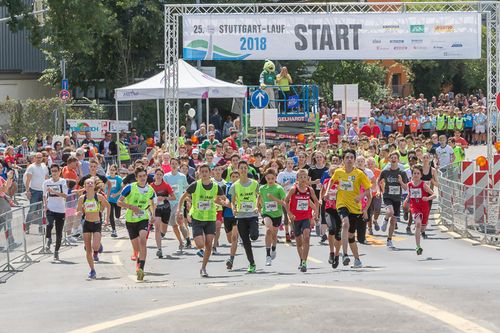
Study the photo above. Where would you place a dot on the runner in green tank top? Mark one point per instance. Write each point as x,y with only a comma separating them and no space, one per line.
271,205
139,199
205,195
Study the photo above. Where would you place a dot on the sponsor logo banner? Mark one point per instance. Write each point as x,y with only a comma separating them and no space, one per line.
331,36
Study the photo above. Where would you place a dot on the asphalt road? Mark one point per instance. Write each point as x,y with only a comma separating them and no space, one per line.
453,287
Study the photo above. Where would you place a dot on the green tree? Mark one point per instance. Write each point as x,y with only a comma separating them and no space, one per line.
369,76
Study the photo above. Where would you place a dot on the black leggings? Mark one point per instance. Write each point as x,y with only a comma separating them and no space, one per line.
115,212
248,228
59,219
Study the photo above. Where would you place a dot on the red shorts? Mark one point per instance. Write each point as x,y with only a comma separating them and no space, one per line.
219,216
424,215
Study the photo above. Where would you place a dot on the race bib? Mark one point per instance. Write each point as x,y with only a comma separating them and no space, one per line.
332,195
247,206
302,205
271,206
415,193
138,215
346,185
112,182
318,186
394,190
90,206
204,205
175,188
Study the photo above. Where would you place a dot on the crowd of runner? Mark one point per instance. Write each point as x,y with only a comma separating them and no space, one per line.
333,186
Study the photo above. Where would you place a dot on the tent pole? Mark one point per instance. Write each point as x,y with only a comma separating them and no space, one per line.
117,135
158,117
208,113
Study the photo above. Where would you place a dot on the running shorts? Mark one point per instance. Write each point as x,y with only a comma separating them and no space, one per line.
134,228
91,226
201,228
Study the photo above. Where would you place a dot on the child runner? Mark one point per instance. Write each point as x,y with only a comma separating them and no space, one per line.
116,184
271,204
300,213
419,196
230,221
329,197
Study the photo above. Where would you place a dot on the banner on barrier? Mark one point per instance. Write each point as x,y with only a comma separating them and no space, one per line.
363,36
97,128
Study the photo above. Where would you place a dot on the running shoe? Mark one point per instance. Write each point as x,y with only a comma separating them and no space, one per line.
134,256
323,240
288,239
188,243
357,263
303,267
389,244
273,254
331,258
101,249
214,251
92,275
56,255
159,253
200,253
370,232
419,250
96,256
269,261
335,262
376,226
345,259
49,242
203,273
72,239
140,274
384,226
251,268
408,230
229,264
424,236
114,234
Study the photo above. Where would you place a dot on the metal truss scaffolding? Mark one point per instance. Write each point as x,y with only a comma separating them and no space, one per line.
489,12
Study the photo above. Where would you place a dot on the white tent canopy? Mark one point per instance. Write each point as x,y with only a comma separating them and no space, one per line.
193,84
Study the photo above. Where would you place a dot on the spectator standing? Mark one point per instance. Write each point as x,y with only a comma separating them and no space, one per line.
228,124
90,144
216,119
35,175
134,141
283,80
107,147
23,151
371,130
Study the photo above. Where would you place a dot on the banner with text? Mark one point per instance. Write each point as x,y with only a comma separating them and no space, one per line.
97,128
332,36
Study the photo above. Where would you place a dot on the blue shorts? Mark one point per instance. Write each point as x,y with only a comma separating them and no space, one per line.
300,226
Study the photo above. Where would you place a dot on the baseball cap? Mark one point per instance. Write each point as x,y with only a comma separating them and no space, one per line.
24,139
196,151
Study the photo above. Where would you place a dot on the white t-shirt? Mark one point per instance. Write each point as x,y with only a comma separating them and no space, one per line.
54,203
444,155
38,174
285,176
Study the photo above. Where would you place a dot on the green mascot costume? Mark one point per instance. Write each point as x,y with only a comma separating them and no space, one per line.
268,78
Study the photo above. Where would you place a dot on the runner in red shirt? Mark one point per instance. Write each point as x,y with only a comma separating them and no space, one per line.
164,192
419,195
371,130
334,133
300,213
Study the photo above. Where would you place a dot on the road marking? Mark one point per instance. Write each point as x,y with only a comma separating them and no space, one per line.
119,243
117,260
153,313
455,321
314,260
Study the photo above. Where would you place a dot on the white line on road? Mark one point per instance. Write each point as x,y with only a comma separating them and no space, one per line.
119,243
314,260
455,321
157,312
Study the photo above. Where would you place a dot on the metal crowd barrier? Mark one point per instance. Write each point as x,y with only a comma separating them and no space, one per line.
472,212
22,237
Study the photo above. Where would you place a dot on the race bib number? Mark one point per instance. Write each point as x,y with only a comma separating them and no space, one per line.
302,205
346,185
204,205
247,206
394,190
140,214
175,188
318,186
271,206
415,193
90,206
332,195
